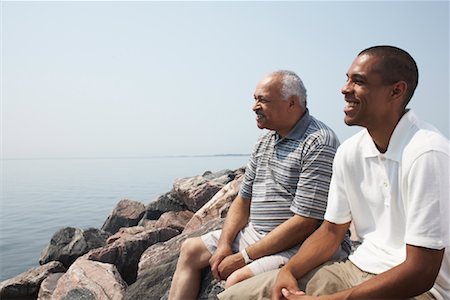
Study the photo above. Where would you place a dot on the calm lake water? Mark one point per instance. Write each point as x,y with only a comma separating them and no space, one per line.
40,196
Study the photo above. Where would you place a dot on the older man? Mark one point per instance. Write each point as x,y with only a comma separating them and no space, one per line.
392,181
282,199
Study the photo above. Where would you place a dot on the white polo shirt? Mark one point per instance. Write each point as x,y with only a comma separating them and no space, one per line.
395,198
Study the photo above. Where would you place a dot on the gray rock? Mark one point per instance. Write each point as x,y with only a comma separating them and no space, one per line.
162,204
127,213
69,243
91,280
26,285
125,252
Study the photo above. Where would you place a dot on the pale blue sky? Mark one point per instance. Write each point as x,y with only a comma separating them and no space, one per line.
112,79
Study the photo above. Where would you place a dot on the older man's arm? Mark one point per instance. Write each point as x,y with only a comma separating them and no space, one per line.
236,219
287,235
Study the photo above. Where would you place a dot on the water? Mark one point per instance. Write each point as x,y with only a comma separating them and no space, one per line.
40,196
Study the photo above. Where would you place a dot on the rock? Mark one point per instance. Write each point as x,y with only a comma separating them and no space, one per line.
195,191
125,252
69,243
214,208
162,204
126,232
176,220
91,280
127,213
158,264
48,286
26,285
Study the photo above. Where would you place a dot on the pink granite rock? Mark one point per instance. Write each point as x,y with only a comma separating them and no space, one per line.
127,213
26,285
176,220
195,191
88,279
48,286
213,208
125,252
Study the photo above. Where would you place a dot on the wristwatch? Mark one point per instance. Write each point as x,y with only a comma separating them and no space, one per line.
247,258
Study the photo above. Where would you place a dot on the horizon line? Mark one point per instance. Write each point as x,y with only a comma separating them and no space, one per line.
127,157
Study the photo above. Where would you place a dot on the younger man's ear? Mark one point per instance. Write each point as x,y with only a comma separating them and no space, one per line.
399,89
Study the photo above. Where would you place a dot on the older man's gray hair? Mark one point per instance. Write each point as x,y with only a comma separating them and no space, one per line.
292,86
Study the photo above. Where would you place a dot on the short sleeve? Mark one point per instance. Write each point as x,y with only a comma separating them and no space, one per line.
338,209
428,211
312,189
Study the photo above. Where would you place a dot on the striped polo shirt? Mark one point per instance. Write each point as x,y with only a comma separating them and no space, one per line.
290,175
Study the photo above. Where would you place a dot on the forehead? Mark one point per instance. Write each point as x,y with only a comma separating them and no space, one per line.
269,85
363,64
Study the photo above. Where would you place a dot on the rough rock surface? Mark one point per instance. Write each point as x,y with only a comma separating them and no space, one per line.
176,220
195,191
88,279
69,243
158,264
26,285
215,207
125,252
127,213
48,286
162,204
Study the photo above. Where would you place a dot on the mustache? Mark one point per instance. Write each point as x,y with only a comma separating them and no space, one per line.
259,113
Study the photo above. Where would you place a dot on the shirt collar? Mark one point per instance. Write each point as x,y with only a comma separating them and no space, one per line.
299,129
399,137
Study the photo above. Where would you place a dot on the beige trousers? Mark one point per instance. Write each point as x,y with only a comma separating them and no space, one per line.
324,280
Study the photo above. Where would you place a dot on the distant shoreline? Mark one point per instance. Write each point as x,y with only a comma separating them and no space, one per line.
126,157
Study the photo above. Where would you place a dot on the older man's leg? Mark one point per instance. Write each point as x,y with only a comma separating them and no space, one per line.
194,256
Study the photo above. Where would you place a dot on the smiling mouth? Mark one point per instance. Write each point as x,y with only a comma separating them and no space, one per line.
351,104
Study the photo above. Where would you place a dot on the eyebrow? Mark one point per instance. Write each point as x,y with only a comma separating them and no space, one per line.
357,76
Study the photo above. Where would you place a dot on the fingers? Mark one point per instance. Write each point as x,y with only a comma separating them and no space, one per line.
288,293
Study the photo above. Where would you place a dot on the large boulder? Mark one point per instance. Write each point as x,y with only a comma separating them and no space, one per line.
91,280
69,243
174,219
216,207
162,204
195,191
126,251
26,285
48,286
127,213
158,264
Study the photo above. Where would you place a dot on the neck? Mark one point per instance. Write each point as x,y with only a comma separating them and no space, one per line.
381,135
291,124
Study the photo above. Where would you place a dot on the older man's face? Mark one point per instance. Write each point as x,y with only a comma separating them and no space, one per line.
270,107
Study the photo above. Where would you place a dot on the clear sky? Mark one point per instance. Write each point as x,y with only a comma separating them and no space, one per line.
115,79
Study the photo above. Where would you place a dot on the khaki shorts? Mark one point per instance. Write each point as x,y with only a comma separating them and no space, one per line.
246,237
326,279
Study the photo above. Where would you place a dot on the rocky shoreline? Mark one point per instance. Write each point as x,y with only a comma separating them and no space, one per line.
134,254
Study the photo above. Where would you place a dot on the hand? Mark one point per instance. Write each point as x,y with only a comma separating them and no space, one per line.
220,253
230,264
285,282
292,295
